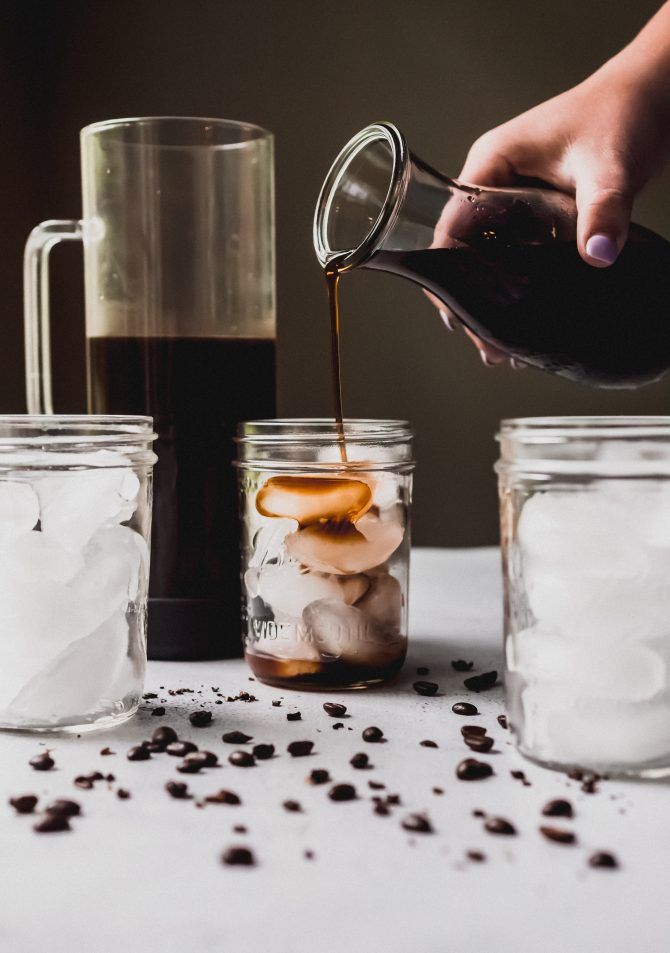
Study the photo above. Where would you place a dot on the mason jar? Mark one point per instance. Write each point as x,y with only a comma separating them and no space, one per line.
585,531
325,550
75,518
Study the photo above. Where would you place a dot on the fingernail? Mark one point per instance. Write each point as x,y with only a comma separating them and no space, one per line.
446,317
516,365
486,360
602,248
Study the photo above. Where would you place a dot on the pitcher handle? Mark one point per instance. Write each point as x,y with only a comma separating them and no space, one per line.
41,240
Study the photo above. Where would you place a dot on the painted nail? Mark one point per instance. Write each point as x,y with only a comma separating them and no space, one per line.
517,365
486,360
602,248
448,320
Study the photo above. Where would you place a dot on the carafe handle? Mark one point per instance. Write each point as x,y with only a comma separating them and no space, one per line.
39,395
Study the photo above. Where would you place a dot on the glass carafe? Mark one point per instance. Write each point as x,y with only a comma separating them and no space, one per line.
503,260
178,235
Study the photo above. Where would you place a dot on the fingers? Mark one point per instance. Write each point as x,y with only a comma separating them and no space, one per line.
604,201
486,163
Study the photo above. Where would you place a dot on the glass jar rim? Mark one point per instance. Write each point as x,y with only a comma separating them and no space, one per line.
244,132
67,438
308,430
544,429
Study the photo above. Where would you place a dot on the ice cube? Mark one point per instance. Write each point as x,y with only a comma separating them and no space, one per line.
283,640
116,564
383,602
314,499
19,510
344,549
289,588
344,632
268,542
87,678
36,554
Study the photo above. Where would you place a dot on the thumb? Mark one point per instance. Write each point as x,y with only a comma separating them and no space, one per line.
604,202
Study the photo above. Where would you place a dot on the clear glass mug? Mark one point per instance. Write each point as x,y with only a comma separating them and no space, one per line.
585,533
75,522
179,269
325,550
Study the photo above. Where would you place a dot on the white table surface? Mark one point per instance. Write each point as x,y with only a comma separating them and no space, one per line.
144,874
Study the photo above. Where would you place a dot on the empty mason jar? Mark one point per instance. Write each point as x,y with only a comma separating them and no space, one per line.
75,518
585,528
325,550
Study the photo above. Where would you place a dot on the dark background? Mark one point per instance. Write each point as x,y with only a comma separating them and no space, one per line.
313,73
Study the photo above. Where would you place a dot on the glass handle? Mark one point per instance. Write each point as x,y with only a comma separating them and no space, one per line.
41,240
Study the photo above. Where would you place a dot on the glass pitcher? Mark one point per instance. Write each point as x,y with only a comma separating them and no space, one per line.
178,235
503,260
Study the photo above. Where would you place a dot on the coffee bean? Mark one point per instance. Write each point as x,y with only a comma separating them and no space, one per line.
242,759
164,735
123,794
138,753
460,665
318,776
376,785
204,759
148,695
557,835
473,770
153,747
427,743
502,721
382,808
106,751
110,777
576,774
293,716
200,719
276,702
63,806
342,792
25,804
308,854
464,708
223,797
603,858
334,709
158,712
498,825
422,670
177,789
263,752
293,806
338,725
360,760
51,823
95,776
179,749
480,683
558,808
426,688
473,730
189,767
84,783
590,783
238,857
476,855
417,823
42,762
478,813
236,738
480,743
438,790
372,734
299,749
240,829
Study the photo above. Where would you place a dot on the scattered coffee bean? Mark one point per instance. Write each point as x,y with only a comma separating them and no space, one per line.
84,783
123,794
381,808
95,776
148,695
557,835
464,708
460,665
24,804
476,855
138,753
480,743
590,783
603,858
50,823
576,774
240,829
308,854
42,762
164,735
189,767
179,749
204,759
478,813
293,716
372,734
238,857
422,670
502,721
473,730
158,712
472,770
242,759
200,719
438,790
263,752
276,702
338,725
334,709
426,688
376,785
480,683
153,747
177,789
417,823
293,806
110,777
236,738
106,751
63,806
558,808
318,776
223,797
427,743
299,749
342,792
360,760
498,825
